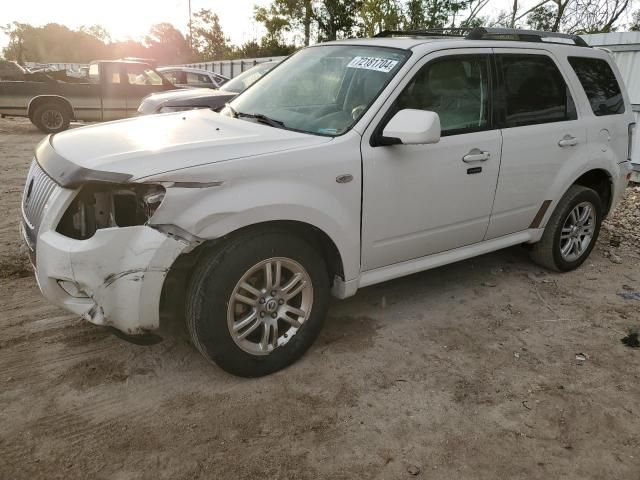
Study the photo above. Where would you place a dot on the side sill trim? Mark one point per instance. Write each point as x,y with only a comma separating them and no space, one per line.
397,270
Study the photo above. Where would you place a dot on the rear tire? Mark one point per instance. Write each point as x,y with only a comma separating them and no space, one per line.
232,286
51,117
571,232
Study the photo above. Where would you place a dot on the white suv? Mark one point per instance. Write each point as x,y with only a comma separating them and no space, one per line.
351,163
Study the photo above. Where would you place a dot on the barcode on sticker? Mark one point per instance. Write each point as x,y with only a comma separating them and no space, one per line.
373,63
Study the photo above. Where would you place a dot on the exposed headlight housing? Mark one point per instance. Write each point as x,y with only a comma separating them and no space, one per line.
101,205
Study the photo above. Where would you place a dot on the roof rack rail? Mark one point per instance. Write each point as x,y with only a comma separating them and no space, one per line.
484,33
430,32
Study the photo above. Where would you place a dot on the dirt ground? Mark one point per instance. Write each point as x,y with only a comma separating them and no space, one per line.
469,371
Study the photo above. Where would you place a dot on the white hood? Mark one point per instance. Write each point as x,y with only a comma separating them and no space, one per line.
157,144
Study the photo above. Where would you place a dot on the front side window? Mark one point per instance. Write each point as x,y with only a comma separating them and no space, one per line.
322,90
600,85
456,88
534,91
142,75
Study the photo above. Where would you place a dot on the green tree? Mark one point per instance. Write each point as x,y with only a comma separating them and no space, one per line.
378,15
51,43
18,33
635,22
542,18
275,21
336,18
96,31
415,15
167,45
208,38
425,14
285,16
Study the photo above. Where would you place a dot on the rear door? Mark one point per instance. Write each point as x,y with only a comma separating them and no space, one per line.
540,134
142,80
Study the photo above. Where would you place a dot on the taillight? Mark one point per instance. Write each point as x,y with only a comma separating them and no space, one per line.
632,129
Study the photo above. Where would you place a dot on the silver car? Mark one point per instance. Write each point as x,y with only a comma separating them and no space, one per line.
188,77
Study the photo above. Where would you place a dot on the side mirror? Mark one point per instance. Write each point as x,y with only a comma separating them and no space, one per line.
412,127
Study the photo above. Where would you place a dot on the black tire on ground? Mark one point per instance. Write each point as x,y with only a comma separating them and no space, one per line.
51,117
213,282
546,252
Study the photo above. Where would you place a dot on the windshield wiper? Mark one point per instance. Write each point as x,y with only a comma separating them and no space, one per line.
234,114
261,117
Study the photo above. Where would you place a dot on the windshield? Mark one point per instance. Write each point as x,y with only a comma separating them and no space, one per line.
322,90
246,79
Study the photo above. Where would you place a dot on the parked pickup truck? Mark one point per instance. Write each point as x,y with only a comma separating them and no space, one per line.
112,91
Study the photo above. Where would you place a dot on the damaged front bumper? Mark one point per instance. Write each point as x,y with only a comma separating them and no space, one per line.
114,278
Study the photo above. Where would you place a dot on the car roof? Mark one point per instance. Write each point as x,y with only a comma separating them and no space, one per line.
405,43
134,62
438,39
187,69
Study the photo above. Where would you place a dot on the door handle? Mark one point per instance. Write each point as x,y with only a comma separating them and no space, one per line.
568,141
476,155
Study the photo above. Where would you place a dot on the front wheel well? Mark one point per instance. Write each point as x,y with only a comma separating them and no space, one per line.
36,102
178,276
600,181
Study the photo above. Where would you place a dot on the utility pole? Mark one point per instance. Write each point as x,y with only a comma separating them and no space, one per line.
190,29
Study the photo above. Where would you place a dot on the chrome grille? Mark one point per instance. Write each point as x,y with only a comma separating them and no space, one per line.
37,191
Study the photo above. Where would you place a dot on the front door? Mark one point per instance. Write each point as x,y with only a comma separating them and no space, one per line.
424,199
114,91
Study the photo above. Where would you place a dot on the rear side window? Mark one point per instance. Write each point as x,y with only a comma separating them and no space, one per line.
195,78
534,91
600,85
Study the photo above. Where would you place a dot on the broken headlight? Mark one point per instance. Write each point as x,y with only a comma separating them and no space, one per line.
105,205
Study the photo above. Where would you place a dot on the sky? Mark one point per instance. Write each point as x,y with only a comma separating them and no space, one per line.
132,18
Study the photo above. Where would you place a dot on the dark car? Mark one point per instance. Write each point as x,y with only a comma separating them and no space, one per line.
189,99
112,91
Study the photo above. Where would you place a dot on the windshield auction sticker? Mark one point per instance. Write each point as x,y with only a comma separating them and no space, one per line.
373,63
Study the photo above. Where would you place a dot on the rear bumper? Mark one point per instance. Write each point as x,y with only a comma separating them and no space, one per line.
114,278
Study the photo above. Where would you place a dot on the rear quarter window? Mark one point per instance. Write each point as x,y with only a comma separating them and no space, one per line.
600,85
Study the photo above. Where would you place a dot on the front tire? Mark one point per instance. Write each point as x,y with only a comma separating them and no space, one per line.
51,117
572,231
257,303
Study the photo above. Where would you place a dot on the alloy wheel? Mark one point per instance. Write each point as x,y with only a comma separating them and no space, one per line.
52,119
269,305
577,232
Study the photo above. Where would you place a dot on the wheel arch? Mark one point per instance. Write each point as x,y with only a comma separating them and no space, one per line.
178,276
310,233
35,102
601,181
596,174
